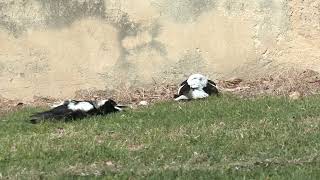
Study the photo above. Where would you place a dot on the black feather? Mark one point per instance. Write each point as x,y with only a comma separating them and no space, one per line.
184,82
211,88
211,82
108,107
184,88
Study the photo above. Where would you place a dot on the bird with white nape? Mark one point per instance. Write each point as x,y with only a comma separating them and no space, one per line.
73,109
197,86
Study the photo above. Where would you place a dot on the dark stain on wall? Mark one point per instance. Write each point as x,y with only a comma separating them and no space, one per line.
155,31
184,10
7,23
64,12
2,68
10,26
265,4
234,5
126,27
56,13
160,47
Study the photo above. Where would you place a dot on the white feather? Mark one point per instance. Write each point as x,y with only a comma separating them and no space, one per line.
143,103
81,106
182,97
197,81
118,108
56,105
59,103
198,94
101,103
181,88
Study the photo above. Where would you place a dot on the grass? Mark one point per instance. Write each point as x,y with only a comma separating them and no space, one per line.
218,138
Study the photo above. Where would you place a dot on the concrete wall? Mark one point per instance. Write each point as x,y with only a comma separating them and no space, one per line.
55,47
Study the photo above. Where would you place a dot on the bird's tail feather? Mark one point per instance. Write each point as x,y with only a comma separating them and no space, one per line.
122,106
36,118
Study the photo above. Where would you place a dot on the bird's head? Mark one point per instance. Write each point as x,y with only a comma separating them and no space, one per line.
108,106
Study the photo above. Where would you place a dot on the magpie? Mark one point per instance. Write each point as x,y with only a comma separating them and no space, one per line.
73,109
196,86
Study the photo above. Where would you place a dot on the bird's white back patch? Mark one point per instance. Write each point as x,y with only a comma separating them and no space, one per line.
198,94
81,106
197,81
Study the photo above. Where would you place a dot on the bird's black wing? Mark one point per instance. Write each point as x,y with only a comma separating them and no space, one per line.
211,88
183,83
211,82
184,88
59,112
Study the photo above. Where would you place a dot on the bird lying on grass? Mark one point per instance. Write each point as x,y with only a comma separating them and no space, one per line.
196,86
72,109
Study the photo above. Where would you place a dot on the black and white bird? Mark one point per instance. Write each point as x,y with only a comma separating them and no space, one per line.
196,86
73,109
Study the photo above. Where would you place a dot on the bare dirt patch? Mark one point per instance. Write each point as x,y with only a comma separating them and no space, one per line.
286,83
291,83
8,105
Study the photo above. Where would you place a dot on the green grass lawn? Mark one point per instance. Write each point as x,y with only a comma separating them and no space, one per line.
217,138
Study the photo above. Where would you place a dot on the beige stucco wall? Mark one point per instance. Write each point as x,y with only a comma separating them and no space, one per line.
54,48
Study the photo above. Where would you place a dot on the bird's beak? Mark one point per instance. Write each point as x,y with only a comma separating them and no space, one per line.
120,107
